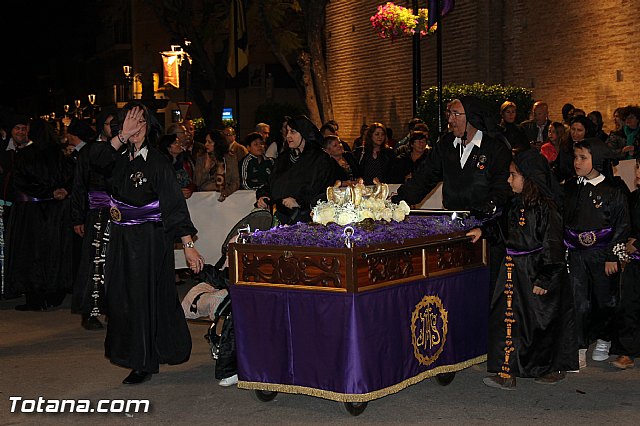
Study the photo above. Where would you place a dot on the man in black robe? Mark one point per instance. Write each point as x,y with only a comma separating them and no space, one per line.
90,219
472,161
39,232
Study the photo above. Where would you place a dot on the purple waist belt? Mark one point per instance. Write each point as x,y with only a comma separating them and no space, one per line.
597,239
99,200
125,214
512,252
21,196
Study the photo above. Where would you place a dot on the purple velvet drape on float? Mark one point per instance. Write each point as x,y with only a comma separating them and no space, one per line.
353,343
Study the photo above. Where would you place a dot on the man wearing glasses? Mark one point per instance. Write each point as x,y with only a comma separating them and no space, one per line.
234,147
472,162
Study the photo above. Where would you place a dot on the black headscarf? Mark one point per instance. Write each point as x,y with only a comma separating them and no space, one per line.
81,129
303,125
16,119
535,167
480,117
602,157
102,117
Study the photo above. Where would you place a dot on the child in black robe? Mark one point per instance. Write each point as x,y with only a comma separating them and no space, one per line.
596,226
626,343
531,320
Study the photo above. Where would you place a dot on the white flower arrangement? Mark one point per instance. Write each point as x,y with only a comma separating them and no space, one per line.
356,203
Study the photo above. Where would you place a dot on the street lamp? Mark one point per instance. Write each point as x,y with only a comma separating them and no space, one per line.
127,69
78,111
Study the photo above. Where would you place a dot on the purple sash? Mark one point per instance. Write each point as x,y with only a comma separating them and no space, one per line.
635,255
21,196
512,252
587,239
99,200
125,214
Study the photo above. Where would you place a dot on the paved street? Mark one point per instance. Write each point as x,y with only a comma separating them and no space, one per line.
48,354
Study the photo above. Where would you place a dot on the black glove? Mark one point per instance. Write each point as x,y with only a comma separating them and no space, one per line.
484,210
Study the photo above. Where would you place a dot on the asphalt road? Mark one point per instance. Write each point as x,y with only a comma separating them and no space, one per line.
48,355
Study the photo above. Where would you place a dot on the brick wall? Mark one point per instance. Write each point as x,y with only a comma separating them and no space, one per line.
564,51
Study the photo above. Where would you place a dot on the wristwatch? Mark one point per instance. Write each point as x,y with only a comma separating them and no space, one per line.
189,244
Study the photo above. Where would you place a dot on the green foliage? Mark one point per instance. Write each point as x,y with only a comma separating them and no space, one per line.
272,113
201,129
283,17
493,96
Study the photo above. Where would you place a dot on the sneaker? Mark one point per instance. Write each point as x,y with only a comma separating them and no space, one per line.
500,382
229,381
582,360
601,351
623,362
551,378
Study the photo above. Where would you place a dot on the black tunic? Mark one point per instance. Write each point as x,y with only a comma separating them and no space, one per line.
590,208
88,288
483,179
626,339
543,327
306,180
146,324
38,255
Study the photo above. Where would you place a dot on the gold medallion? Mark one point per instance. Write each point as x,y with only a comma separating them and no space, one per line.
115,214
587,239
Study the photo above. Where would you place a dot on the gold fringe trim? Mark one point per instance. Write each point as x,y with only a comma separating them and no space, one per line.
364,397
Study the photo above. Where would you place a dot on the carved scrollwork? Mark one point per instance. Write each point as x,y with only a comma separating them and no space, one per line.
320,271
453,256
391,266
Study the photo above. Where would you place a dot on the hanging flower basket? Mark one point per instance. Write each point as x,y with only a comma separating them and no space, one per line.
392,22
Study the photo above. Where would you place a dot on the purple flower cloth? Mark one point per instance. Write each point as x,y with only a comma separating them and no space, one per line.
331,235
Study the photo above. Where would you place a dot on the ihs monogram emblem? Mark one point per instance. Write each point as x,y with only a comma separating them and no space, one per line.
429,325
138,178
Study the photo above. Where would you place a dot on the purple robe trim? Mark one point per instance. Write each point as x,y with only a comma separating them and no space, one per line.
512,252
125,214
598,239
354,344
21,196
99,200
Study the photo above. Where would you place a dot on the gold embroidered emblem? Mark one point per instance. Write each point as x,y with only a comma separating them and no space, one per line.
429,325
587,239
115,214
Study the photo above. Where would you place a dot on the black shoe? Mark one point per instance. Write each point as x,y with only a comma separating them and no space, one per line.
136,377
91,323
31,307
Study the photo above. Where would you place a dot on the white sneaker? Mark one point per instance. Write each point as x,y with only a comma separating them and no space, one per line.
601,351
229,381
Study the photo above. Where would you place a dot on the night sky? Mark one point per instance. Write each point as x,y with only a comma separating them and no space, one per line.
43,41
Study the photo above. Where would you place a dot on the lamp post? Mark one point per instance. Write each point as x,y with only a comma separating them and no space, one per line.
127,69
181,56
78,111
92,105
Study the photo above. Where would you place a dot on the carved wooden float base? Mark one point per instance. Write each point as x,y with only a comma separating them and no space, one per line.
353,270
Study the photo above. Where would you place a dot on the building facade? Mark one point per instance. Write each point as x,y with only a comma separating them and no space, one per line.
563,51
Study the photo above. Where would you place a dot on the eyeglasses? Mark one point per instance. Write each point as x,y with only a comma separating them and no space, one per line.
229,134
449,113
